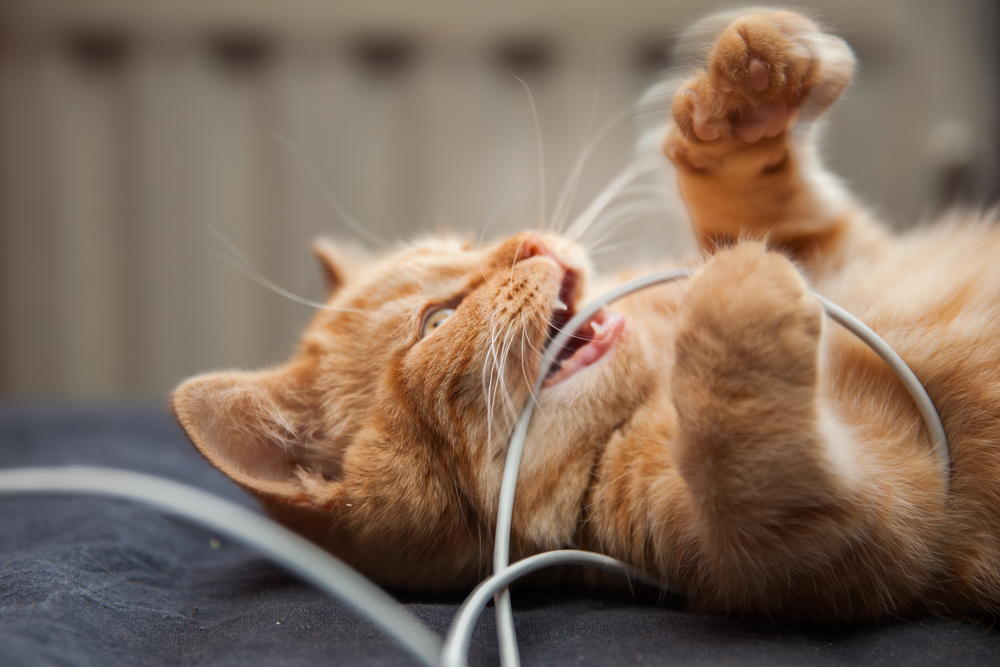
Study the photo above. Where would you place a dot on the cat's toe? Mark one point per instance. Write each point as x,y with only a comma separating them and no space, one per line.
702,124
762,55
758,75
767,120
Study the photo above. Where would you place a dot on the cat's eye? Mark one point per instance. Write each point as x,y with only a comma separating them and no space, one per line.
436,318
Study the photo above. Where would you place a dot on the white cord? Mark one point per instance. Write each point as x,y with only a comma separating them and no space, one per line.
321,568
501,548
290,549
456,646
505,511
939,440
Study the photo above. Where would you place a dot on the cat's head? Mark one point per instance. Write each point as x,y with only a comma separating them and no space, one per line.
384,437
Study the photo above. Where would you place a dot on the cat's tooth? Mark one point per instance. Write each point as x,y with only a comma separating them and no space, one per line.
598,329
559,305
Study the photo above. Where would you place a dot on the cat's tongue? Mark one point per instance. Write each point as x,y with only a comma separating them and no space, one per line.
598,335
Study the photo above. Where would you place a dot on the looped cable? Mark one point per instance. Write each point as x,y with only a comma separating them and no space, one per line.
501,551
327,572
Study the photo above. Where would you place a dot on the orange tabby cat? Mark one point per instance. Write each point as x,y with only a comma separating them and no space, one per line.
718,432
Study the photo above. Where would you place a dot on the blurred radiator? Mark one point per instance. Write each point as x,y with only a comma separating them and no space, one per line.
123,138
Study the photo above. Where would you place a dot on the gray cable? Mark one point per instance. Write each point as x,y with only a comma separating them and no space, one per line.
501,549
939,438
456,646
290,549
515,448
319,567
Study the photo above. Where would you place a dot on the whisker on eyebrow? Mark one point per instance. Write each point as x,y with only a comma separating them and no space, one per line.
244,265
330,199
541,153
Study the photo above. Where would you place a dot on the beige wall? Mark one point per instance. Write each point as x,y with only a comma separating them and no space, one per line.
127,128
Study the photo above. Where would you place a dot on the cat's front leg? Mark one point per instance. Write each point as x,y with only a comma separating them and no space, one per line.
742,170
769,474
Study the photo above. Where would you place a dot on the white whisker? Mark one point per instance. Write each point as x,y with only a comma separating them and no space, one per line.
489,366
560,215
248,269
631,173
529,380
541,154
612,219
508,400
330,199
573,179
497,211
611,248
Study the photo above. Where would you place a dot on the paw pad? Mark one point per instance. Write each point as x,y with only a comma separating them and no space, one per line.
759,71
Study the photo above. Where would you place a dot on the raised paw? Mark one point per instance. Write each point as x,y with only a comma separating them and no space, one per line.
765,69
748,318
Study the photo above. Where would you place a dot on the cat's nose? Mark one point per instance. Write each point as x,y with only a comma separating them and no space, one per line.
531,245
520,247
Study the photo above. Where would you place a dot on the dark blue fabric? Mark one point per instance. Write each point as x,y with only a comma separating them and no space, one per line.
94,581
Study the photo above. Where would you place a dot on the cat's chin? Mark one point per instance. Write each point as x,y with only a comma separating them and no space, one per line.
600,332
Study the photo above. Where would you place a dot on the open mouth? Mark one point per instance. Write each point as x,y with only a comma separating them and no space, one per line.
589,343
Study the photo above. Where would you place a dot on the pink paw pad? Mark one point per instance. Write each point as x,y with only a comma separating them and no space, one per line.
704,129
758,75
767,120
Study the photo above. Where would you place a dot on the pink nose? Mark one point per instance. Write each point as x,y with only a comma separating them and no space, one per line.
531,245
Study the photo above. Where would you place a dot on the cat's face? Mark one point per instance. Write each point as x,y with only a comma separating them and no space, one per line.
384,437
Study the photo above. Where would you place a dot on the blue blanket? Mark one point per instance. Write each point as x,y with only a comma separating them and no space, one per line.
95,581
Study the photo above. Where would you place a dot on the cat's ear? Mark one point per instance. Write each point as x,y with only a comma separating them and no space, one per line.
340,260
246,426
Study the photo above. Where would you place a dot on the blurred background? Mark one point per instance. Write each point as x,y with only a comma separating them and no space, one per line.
129,130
